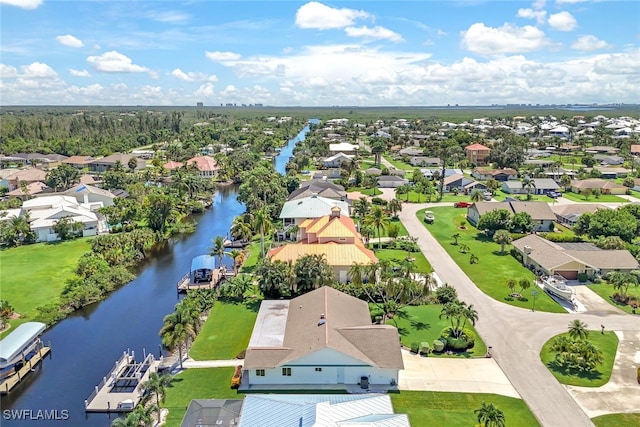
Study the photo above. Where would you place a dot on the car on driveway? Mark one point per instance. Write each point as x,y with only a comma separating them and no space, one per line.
554,194
461,204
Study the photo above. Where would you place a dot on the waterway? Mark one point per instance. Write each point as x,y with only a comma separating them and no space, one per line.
86,345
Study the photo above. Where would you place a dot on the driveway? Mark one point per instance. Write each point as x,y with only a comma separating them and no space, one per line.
517,335
475,375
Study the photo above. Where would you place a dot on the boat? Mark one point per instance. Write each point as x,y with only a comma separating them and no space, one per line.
557,286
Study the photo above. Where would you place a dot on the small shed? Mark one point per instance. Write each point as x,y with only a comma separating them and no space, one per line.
202,268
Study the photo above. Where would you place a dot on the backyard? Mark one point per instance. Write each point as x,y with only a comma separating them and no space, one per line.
34,275
422,324
605,290
421,263
493,268
607,342
226,332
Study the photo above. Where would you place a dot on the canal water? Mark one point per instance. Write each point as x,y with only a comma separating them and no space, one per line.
86,345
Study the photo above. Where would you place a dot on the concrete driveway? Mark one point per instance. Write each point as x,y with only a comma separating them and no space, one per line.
475,375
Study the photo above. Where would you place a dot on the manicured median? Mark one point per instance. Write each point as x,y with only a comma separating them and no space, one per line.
617,420
493,269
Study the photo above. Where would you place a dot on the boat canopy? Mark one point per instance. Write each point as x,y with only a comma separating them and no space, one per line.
18,340
203,262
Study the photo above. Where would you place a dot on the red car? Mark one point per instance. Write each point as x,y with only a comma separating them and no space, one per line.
461,204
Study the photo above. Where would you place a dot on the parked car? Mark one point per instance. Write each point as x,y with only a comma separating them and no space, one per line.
429,217
461,204
487,196
554,194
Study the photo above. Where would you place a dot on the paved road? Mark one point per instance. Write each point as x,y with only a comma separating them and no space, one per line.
516,335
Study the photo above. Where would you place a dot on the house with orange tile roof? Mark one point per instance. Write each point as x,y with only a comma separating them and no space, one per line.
171,165
206,165
478,154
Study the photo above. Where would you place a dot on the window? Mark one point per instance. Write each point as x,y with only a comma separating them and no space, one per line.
286,372
318,369
259,372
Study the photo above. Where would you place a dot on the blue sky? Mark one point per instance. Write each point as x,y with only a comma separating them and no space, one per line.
368,53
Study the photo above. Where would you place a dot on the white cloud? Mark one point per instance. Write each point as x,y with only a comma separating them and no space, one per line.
562,21
171,16
570,1
8,72
69,40
205,91
79,73
222,56
485,40
38,70
538,15
314,15
115,62
93,90
24,4
441,33
539,4
620,63
192,76
376,32
590,42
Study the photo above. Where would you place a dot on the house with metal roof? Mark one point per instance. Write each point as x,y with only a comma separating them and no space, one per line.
320,410
570,259
314,206
324,337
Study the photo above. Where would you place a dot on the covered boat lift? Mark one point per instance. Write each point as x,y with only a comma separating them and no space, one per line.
19,352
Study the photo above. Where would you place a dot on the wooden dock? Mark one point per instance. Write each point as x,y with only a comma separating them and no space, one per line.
10,382
217,276
121,390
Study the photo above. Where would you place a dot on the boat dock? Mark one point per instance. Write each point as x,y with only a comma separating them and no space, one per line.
10,382
203,274
121,389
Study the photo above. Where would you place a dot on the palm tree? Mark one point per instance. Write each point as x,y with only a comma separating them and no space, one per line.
502,237
217,249
578,330
528,184
455,238
378,220
511,284
361,207
238,259
357,273
490,416
395,206
262,223
622,281
476,195
131,420
524,284
176,331
157,385
464,248
469,313
241,227
236,286
565,181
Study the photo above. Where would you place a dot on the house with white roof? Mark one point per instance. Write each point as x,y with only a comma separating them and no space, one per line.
324,337
343,147
45,212
336,160
314,206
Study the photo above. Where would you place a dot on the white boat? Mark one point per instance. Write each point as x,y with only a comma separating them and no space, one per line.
557,286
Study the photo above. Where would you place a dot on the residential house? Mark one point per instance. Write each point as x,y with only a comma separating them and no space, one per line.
344,148
212,412
485,174
46,211
540,212
336,160
31,190
424,161
458,181
477,154
635,150
609,172
320,410
206,165
48,160
541,186
602,149
78,162
570,213
432,172
171,165
91,196
106,163
397,172
606,187
28,176
570,259
322,338
297,210
373,171
321,188
608,160
411,151
391,181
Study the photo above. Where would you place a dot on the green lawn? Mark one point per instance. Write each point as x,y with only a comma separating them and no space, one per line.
493,270
365,191
225,333
607,342
421,198
254,255
402,230
605,290
501,195
399,164
617,420
604,198
34,275
206,383
429,408
422,324
422,265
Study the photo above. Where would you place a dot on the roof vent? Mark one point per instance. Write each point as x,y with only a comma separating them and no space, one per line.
322,320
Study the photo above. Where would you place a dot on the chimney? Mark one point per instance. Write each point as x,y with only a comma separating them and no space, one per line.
335,212
525,256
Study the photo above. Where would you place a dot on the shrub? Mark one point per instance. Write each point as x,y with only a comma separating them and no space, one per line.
582,277
559,237
415,347
438,346
446,293
378,201
457,343
425,348
517,255
470,337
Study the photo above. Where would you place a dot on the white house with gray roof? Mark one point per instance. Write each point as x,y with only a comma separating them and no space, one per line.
314,206
541,186
324,337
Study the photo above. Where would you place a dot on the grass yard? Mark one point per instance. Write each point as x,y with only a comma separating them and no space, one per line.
421,262
225,333
605,290
399,164
402,231
604,198
365,191
501,195
254,255
617,420
414,197
206,383
607,342
428,408
422,324
34,275
493,270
